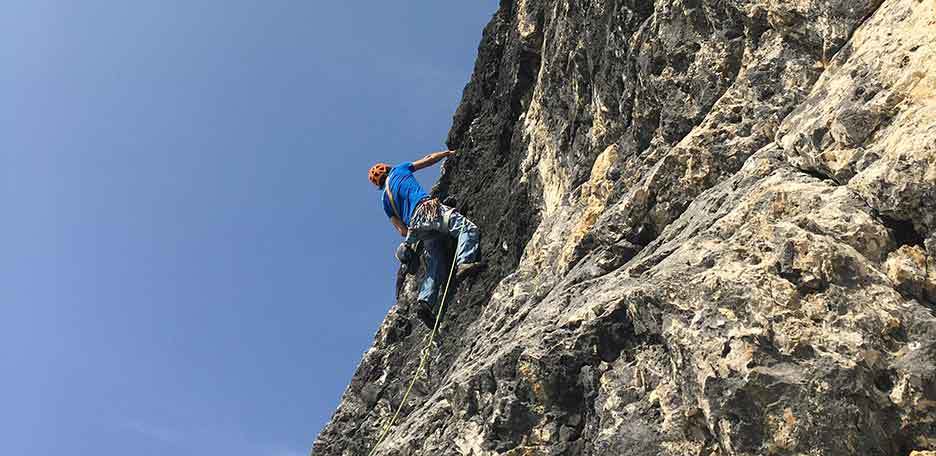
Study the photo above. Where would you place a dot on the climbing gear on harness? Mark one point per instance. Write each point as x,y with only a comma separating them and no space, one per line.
422,363
426,207
377,173
429,215
429,205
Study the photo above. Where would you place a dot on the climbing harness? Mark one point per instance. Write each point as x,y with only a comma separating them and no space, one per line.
422,362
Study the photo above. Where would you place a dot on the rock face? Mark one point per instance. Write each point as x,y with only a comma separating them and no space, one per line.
710,228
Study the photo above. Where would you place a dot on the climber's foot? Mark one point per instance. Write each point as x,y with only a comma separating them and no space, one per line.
468,269
424,313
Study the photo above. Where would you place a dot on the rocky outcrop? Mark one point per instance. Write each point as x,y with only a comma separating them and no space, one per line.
710,228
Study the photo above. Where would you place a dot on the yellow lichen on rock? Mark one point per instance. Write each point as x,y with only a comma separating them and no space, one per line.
907,267
594,197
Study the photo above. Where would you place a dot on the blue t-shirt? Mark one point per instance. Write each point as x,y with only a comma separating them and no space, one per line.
407,192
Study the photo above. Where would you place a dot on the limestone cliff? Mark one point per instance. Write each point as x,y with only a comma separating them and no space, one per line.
710,228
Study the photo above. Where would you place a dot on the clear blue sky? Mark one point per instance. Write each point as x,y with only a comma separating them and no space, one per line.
192,261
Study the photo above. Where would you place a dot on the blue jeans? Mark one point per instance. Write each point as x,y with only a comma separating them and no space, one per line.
433,228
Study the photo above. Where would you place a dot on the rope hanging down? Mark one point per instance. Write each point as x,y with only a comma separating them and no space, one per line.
422,362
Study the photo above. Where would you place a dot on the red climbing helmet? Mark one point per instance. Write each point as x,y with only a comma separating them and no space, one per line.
378,173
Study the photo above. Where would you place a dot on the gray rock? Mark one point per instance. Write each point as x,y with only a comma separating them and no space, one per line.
710,228
853,126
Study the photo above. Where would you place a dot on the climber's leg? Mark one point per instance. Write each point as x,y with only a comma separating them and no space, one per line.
467,253
435,274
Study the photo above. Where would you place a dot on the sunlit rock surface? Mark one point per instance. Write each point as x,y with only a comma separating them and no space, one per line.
710,228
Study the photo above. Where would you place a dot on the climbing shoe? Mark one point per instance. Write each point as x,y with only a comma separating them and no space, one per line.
425,315
468,269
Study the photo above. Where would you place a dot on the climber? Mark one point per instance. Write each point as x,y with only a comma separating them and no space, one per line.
420,218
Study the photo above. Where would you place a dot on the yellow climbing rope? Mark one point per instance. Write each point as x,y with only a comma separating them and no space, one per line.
422,362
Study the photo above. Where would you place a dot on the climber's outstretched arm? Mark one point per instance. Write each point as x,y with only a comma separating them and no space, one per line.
431,159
